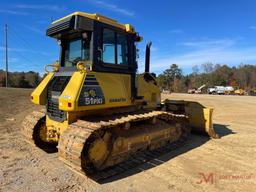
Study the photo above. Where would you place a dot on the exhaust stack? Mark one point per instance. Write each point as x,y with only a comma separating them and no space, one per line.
147,57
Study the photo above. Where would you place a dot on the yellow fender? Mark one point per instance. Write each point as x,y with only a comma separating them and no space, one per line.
39,94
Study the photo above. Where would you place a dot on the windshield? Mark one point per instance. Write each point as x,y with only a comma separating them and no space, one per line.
78,49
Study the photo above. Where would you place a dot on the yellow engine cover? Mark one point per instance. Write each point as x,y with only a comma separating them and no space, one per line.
91,91
96,90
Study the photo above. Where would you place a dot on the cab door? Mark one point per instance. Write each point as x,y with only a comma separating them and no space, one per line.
115,61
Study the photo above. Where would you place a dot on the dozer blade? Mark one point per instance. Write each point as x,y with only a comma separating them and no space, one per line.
200,117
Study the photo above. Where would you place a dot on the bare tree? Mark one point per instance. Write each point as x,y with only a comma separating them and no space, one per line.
195,69
208,67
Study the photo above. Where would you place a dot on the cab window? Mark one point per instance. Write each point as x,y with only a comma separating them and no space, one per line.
73,52
122,52
77,49
115,48
108,46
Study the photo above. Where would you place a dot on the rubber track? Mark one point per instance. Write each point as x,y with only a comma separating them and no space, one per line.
73,139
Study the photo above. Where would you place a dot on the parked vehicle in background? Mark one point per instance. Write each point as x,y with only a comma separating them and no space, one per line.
229,90
252,92
240,92
211,90
192,91
220,90
196,90
166,91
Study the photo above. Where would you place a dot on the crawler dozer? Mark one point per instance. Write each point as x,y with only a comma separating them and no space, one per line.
99,113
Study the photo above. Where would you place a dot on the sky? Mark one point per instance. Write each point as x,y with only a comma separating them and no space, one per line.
185,32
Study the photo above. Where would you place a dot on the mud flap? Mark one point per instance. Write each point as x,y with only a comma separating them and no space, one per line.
200,117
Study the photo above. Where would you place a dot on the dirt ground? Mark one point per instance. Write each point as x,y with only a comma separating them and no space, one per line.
225,164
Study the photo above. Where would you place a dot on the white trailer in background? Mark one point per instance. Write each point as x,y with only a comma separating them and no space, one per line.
229,90
220,90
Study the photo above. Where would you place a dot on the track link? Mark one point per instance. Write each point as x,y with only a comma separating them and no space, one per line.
29,124
32,125
75,138
136,160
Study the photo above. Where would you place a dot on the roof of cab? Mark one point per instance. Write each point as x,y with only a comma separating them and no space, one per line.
127,27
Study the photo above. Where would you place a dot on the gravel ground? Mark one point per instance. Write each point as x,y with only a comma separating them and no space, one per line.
203,164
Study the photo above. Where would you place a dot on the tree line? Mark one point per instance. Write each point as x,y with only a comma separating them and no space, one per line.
172,79
242,76
20,79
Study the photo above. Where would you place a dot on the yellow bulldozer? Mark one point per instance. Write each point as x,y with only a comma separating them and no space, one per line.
240,91
98,112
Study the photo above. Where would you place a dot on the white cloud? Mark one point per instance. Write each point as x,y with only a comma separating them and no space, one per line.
2,48
10,60
176,31
21,50
154,48
210,43
113,7
34,29
221,56
41,7
222,51
12,12
252,27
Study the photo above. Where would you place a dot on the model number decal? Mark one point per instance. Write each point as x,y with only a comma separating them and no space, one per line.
91,92
93,101
91,96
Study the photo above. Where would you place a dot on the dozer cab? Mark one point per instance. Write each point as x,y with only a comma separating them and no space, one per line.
98,112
